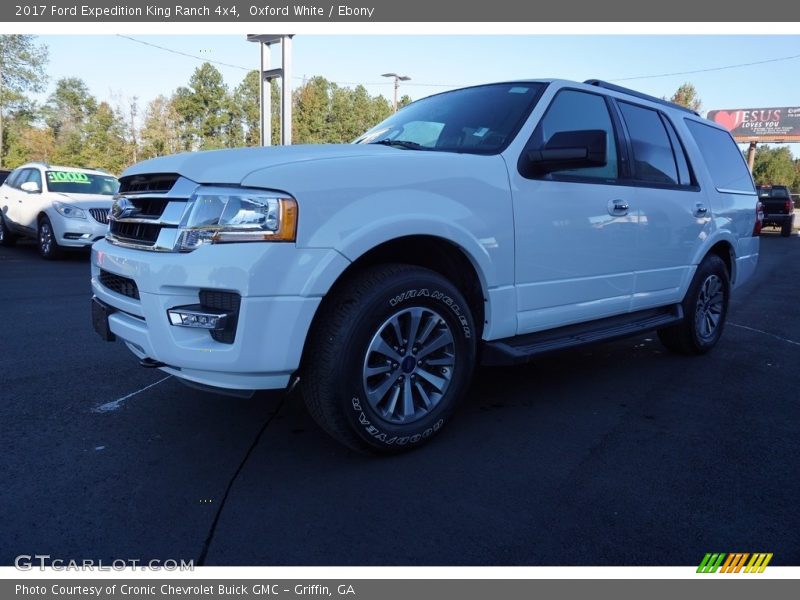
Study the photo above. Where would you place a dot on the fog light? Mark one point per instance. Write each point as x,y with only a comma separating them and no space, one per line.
198,317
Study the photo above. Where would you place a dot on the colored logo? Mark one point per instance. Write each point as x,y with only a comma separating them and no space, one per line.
734,562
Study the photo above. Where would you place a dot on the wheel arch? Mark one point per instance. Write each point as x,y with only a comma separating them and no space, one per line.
724,249
428,251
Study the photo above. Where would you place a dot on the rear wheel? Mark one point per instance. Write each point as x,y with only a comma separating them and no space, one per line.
786,229
6,237
390,356
705,308
46,240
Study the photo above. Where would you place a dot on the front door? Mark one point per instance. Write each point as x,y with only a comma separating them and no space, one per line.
575,230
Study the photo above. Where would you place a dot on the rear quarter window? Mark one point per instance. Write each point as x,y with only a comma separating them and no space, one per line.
722,157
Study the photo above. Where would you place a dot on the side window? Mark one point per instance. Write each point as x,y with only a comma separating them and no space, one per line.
722,157
36,176
653,159
14,179
23,177
572,110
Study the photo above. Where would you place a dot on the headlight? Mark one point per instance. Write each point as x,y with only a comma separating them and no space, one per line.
219,215
69,211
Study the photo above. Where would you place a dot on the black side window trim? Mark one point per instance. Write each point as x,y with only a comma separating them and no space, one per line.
579,178
674,137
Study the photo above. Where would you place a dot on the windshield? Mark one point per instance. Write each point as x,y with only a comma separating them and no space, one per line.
477,120
76,182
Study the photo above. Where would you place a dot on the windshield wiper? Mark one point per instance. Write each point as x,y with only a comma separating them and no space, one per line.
401,144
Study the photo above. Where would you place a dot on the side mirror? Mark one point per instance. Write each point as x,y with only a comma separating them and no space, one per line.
32,187
567,150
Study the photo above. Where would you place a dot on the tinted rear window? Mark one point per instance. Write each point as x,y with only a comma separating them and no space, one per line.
773,192
722,157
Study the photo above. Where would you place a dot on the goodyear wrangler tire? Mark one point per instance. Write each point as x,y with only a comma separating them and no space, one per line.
390,356
705,309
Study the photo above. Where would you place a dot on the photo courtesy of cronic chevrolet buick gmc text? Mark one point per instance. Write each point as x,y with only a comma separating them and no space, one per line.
61,207
489,224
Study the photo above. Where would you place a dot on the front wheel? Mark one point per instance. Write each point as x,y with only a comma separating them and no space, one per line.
46,240
390,356
705,308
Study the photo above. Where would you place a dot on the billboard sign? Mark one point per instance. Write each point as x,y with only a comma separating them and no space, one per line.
760,124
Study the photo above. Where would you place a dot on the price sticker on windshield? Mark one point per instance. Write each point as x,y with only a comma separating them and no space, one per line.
67,177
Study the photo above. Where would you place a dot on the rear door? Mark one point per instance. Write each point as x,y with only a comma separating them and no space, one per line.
672,210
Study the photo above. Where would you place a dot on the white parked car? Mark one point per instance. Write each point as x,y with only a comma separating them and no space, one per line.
61,207
492,223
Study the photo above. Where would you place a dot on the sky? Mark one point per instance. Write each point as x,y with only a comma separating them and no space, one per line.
116,67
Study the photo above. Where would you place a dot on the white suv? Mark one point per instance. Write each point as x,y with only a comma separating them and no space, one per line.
62,207
491,224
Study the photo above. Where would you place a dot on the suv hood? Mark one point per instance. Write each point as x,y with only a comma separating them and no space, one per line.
232,166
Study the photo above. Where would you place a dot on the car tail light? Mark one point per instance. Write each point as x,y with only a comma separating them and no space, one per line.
789,207
759,219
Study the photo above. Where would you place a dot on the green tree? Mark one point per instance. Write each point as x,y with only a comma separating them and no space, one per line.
69,106
405,100
105,145
686,95
22,63
201,109
66,113
311,108
159,135
796,179
774,165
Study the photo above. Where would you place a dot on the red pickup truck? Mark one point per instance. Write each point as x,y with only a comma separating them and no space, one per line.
778,207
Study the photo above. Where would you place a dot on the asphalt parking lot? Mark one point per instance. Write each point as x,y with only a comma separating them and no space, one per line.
620,454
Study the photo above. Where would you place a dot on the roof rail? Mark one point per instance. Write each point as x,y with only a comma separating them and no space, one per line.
630,92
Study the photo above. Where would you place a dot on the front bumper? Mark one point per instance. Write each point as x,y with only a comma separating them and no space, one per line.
276,283
77,233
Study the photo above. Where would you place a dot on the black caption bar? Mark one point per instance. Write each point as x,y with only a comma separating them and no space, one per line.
494,11
734,588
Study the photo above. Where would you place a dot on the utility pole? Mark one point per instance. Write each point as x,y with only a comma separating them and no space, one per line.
397,80
751,155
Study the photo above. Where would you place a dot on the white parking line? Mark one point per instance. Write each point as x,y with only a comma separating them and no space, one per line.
777,337
115,404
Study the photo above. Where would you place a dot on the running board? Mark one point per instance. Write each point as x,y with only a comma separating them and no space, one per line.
522,349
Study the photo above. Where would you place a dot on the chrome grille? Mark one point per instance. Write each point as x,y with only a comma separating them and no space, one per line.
100,215
145,215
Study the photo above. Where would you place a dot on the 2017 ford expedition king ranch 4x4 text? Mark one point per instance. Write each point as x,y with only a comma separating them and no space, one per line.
488,224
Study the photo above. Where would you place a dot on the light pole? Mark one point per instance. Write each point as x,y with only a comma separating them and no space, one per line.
397,80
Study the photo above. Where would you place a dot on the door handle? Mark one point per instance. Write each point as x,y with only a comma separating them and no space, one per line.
618,208
700,210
